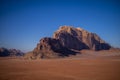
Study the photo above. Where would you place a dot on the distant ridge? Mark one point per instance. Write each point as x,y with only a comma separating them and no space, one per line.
4,52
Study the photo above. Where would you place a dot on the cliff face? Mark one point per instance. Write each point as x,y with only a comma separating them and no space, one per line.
66,39
77,38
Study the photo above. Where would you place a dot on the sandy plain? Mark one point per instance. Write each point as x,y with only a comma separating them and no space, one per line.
80,68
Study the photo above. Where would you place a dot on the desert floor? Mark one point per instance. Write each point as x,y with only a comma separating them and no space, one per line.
88,68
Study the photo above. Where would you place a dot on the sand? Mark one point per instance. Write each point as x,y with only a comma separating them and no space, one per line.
102,68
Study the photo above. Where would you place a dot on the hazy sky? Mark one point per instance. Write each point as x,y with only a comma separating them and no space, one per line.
24,22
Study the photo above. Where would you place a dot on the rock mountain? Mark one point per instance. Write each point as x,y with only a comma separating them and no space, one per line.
4,52
66,41
77,38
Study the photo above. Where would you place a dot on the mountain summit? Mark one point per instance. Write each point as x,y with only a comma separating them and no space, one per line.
66,40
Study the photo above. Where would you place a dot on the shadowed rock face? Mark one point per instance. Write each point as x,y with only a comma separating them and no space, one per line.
77,38
50,47
66,39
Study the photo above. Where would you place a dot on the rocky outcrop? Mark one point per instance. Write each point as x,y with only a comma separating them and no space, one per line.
66,40
50,47
77,38
4,52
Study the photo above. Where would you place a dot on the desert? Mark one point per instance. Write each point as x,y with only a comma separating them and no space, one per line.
59,40
86,66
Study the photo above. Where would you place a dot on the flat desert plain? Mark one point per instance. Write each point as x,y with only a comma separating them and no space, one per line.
87,68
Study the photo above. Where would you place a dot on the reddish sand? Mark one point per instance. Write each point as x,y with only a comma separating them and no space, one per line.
61,69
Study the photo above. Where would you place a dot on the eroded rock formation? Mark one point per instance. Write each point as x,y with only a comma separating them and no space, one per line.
77,38
50,47
66,39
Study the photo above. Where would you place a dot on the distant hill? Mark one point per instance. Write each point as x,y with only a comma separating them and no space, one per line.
4,52
67,41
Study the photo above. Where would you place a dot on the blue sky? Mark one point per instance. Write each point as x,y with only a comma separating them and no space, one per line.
24,22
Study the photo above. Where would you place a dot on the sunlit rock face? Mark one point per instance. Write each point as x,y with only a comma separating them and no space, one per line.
78,38
66,40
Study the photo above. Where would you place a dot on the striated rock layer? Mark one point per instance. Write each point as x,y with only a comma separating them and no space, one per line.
66,39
